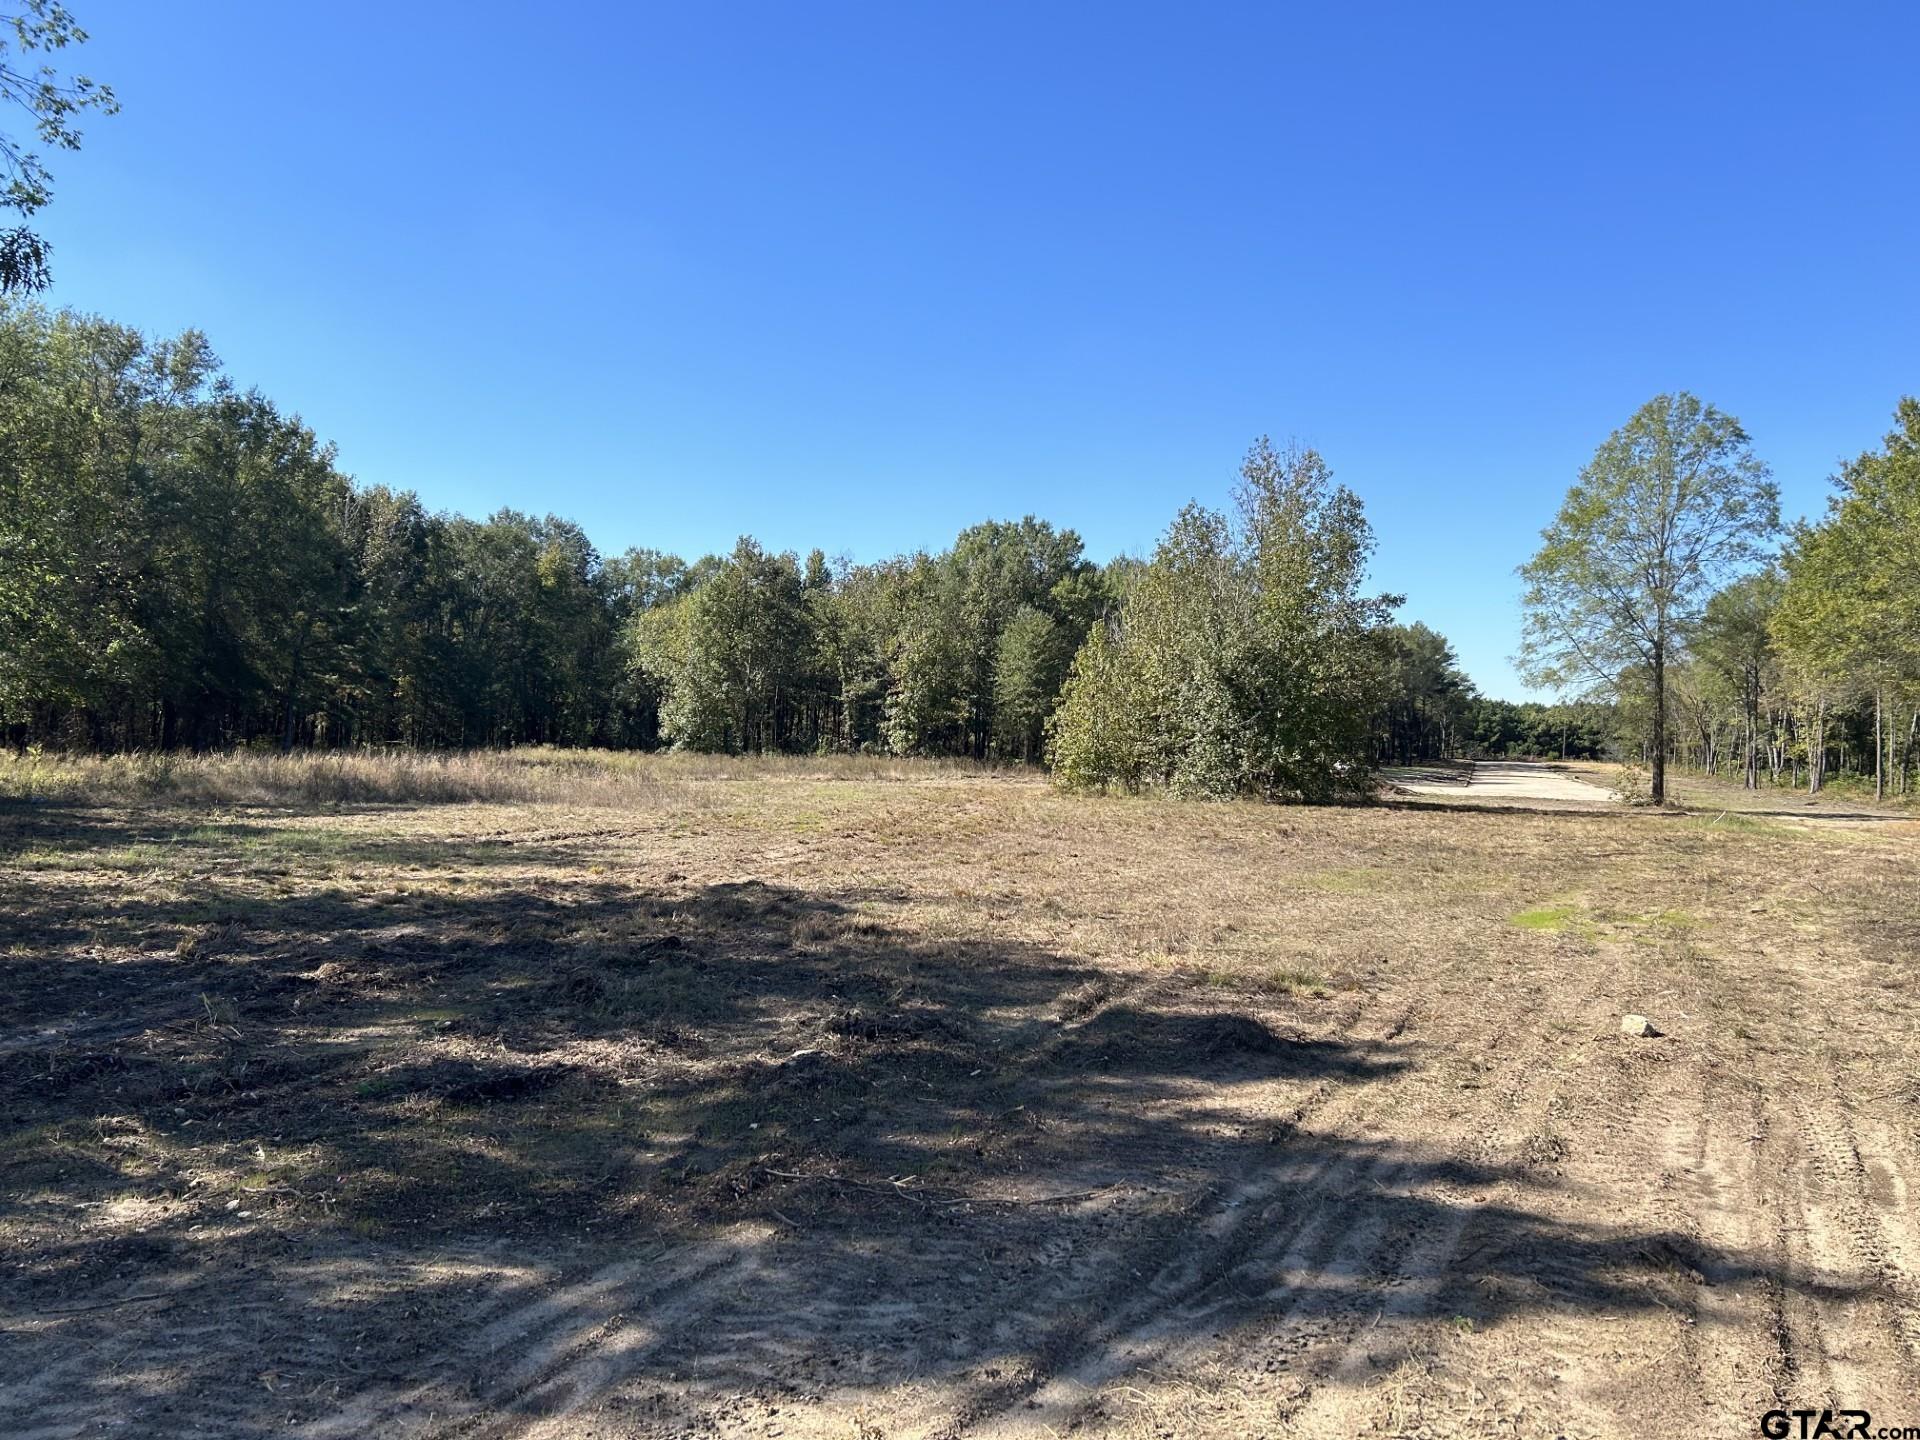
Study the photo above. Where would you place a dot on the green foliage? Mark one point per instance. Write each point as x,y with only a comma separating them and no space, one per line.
1851,603
1244,659
1566,731
1847,623
1098,737
1429,706
54,102
181,564
184,566
735,658
1671,504
1029,669
1809,668
960,653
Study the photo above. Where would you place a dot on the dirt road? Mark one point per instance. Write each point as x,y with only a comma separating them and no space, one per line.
1499,782
940,1112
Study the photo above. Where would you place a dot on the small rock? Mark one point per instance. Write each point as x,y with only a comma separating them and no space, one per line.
1638,1025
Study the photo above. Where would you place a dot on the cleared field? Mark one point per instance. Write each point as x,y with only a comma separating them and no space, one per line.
662,1097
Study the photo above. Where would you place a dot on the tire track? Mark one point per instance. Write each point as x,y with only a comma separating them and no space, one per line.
555,1353
1118,1328
1369,1237
1425,1278
1875,1360
1799,1366
1733,1340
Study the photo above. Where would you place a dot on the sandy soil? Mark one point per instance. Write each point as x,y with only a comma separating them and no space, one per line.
1498,782
954,1110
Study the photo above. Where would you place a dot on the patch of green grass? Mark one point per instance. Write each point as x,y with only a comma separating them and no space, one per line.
1595,924
1283,980
135,858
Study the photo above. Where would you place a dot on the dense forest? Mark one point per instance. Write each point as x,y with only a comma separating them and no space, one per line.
184,565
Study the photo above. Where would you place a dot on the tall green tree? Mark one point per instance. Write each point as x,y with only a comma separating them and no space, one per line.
1429,697
735,658
1029,665
1246,658
1672,504
1849,616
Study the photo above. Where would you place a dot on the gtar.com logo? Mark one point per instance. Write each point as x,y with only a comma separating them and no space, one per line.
1809,1424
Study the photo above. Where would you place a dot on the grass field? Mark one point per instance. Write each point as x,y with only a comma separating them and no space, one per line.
574,1095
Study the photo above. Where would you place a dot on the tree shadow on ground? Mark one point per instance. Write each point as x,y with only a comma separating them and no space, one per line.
558,1136
1809,812
1568,810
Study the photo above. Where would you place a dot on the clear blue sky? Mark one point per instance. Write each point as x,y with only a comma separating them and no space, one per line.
857,277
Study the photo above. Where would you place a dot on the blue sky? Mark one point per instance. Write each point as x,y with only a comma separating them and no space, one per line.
860,276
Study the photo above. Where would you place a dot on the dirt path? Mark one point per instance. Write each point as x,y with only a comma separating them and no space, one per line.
1498,782
1437,1193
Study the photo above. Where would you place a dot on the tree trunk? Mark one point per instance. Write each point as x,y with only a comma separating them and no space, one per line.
1906,754
1879,747
1659,722
293,691
1817,750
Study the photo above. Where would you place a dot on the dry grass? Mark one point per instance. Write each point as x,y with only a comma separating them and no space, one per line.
404,777
259,1005
672,916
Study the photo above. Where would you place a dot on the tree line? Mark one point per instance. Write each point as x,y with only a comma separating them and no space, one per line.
1661,587
183,564
1809,667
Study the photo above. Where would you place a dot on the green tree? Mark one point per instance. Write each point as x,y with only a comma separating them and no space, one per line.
1029,668
1429,698
1733,643
1671,504
1246,658
1849,614
54,102
734,658
929,704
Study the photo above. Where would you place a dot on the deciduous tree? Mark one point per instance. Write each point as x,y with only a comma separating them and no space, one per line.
1672,504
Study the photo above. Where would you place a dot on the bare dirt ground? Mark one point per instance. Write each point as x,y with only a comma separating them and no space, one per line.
787,1103
1499,781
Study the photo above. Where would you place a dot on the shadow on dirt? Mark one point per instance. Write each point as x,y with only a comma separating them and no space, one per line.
442,1135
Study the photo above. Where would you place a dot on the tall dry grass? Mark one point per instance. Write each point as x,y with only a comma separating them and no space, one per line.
404,777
